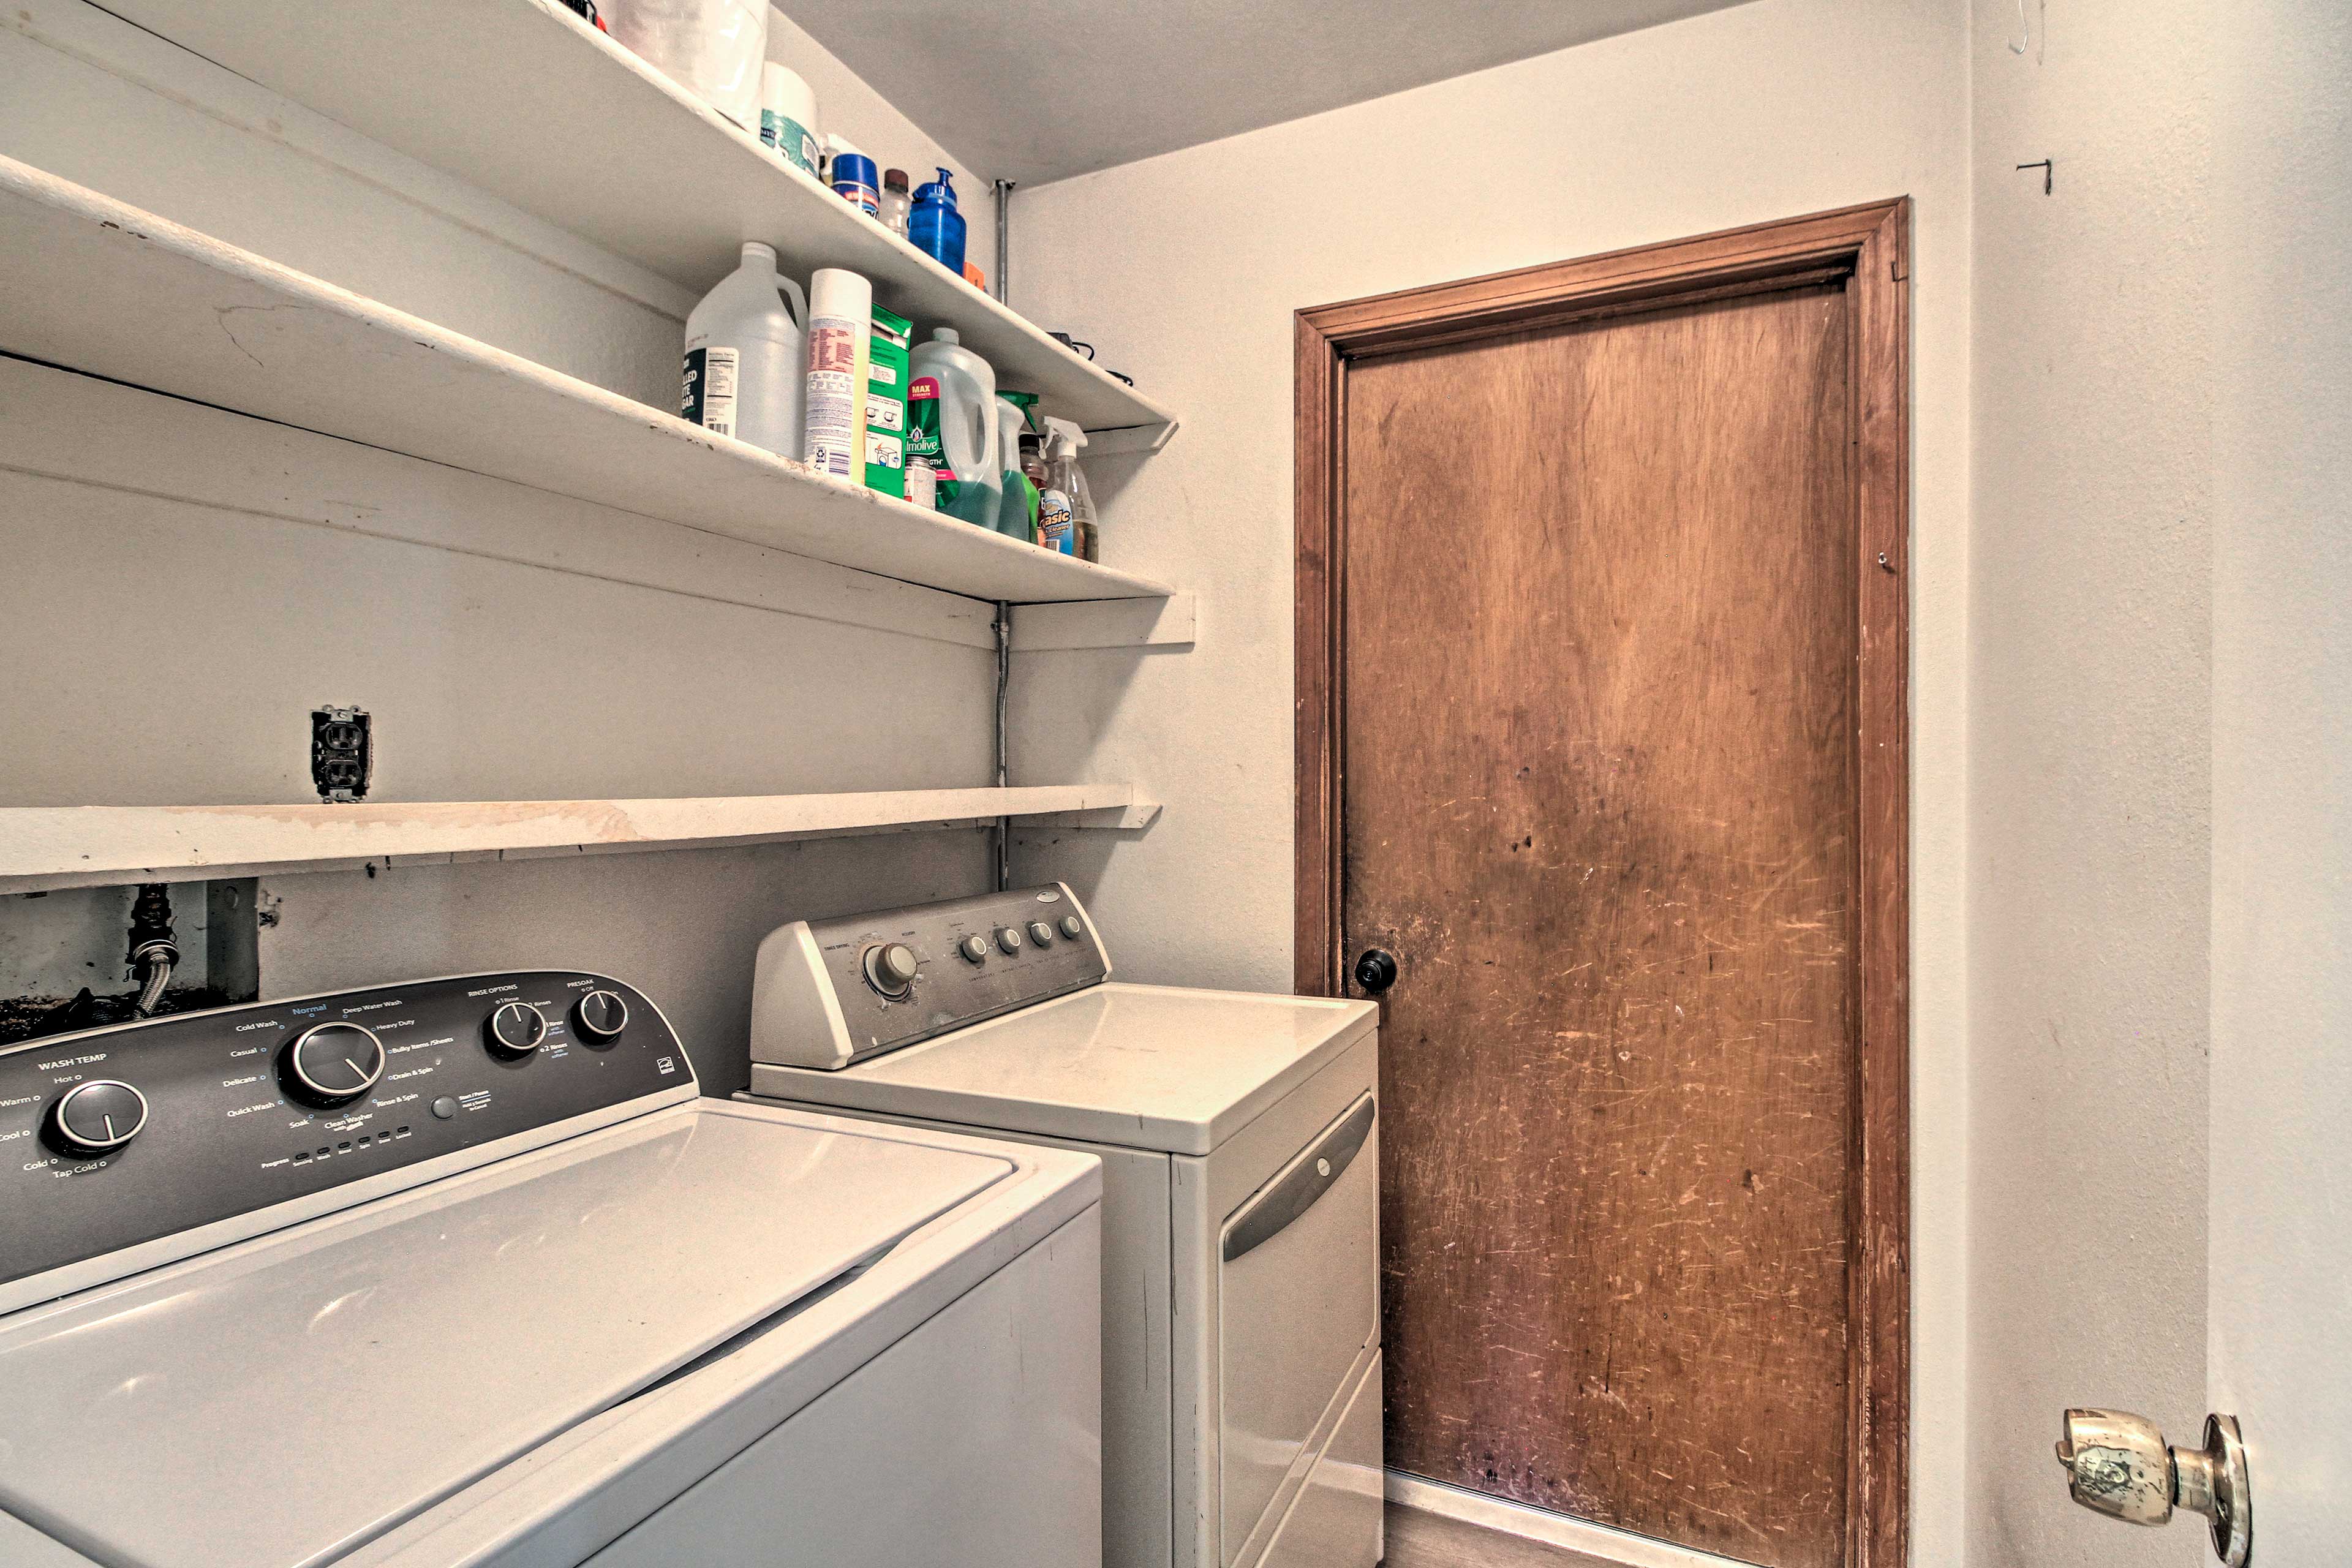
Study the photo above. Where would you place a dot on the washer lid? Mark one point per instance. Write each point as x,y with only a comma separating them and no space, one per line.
283,1401
1144,1067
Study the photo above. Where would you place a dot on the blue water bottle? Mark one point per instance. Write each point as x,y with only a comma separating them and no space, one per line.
935,227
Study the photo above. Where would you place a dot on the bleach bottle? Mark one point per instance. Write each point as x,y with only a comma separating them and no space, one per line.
951,423
746,369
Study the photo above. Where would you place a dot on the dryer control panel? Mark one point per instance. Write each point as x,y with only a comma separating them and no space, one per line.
829,993
113,1137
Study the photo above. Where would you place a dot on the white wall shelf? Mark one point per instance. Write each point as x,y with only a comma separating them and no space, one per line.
521,99
96,286
46,847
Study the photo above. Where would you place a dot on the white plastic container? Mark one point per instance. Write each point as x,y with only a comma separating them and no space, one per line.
747,357
788,116
951,423
713,48
840,339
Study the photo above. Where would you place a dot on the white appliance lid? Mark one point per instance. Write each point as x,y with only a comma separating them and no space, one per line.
1142,1066
283,1401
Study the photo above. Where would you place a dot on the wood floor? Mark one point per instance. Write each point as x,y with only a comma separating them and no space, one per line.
1419,1540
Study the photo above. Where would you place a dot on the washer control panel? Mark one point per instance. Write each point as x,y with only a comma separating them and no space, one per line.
117,1136
829,993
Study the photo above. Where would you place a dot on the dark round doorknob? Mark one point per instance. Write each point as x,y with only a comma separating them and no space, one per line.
1375,970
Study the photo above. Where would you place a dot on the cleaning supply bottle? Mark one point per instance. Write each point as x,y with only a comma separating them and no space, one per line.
854,177
952,427
1065,511
1016,518
746,357
935,225
841,336
895,204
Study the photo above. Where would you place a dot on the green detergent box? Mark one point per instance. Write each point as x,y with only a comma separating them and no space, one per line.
885,404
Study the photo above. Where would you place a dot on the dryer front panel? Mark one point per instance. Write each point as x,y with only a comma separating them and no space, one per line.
1298,1299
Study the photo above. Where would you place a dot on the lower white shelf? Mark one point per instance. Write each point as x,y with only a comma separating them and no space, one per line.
46,848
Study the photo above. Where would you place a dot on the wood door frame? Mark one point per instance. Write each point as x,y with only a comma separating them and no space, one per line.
1870,245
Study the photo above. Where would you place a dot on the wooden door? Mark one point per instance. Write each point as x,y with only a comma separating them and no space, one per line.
1602,799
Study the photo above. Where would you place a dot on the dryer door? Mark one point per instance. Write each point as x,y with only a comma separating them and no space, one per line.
1298,1299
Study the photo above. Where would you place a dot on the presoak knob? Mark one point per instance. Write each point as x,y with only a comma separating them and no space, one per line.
601,1015
95,1118
331,1065
1041,933
513,1030
1073,927
890,969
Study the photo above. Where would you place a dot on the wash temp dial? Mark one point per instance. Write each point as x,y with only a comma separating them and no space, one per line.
95,1118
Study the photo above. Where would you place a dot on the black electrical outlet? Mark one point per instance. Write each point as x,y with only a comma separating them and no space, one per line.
343,753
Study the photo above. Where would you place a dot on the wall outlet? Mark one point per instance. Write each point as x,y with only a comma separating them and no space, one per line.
343,753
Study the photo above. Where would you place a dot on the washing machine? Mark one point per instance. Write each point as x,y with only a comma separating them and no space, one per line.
1239,1139
463,1271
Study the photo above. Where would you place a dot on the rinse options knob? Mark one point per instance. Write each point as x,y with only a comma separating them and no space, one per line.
1073,927
513,1030
331,1064
1041,933
601,1015
890,969
96,1118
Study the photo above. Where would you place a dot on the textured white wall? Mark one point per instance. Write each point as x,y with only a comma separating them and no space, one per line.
2089,756
1185,270
183,586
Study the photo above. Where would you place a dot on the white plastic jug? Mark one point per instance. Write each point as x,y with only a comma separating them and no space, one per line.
746,372
952,419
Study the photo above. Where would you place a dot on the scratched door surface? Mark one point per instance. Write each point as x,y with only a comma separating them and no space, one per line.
1598,654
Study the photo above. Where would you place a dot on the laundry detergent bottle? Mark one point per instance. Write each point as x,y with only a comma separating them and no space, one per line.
747,357
951,421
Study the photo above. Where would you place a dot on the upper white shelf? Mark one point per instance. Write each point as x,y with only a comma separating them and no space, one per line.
521,99
96,286
46,848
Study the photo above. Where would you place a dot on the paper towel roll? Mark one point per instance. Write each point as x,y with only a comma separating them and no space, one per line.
713,48
840,342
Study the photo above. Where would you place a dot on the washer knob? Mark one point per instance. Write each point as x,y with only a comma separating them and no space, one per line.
974,948
513,1030
96,1118
1041,933
331,1064
1008,938
890,969
601,1015
1073,927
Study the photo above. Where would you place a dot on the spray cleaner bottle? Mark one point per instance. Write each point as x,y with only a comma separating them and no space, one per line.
1062,524
1020,456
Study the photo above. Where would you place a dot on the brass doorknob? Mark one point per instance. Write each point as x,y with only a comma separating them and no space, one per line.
2119,1465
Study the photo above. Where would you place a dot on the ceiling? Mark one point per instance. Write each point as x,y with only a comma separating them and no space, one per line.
1036,90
